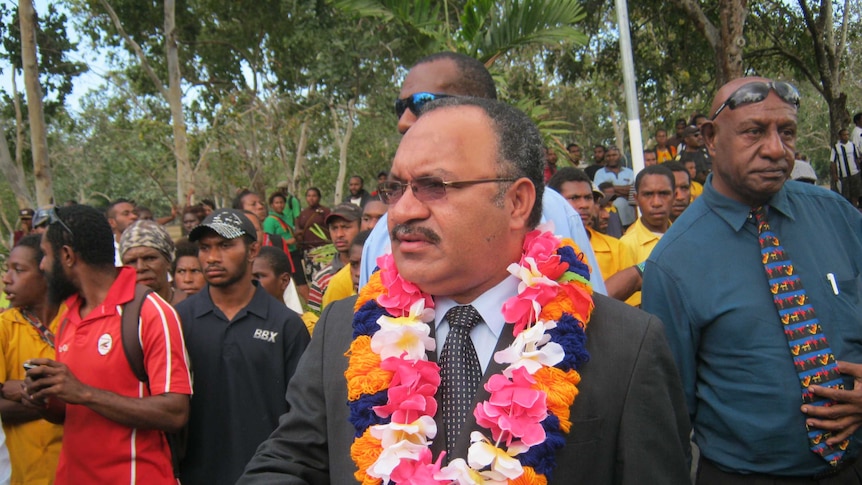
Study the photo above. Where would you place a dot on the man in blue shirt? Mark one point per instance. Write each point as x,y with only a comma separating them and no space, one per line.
706,280
451,74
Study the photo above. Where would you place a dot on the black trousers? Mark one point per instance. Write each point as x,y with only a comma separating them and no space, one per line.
709,474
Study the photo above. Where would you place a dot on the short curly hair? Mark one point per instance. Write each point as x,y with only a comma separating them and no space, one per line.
86,230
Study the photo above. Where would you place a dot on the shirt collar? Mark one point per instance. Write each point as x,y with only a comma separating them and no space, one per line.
488,304
257,306
735,213
122,291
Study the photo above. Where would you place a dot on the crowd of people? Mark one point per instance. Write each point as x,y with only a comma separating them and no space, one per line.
461,323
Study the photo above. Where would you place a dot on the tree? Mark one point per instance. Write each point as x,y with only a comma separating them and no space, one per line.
38,130
726,39
172,93
814,46
55,76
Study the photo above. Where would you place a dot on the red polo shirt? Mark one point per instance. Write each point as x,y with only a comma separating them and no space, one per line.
96,449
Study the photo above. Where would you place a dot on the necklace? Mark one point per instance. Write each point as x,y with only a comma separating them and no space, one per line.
44,332
392,384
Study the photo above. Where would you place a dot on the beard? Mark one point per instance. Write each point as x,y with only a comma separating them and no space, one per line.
60,287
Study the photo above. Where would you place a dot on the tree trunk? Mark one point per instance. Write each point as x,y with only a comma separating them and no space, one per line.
14,174
299,160
828,55
302,143
19,124
729,55
38,131
185,175
727,40
343,140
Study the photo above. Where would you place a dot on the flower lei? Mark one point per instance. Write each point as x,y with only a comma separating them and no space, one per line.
392,384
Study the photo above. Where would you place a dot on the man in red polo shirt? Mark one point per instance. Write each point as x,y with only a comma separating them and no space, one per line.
114,424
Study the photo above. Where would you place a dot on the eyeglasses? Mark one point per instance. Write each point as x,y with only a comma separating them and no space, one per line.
426,188
47,217
415,102
757,91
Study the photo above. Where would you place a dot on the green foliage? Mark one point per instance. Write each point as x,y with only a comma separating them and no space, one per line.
256,73
56,70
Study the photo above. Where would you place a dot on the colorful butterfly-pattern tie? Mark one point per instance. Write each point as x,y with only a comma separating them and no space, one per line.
812,356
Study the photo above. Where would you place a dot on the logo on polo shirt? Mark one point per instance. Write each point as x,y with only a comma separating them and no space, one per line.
265,335
105,344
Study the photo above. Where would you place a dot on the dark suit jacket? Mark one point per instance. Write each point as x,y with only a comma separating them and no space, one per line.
630,424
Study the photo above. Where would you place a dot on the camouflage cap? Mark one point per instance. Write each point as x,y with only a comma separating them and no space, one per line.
149,234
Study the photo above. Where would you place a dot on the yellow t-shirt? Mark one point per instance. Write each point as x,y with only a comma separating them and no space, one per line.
610,254
340,287
310,320
34,446
639,242
696,189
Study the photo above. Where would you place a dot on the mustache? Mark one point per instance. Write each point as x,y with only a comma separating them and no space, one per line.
405,229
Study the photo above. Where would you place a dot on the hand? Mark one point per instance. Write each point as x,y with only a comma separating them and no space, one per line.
845,416
53,379
13,390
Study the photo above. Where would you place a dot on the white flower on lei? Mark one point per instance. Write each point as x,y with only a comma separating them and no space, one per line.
483,453
532,350
529,275
404,335
459,473
401,441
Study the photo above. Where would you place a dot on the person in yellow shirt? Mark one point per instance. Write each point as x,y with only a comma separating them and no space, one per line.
575,186
654,192
664,152
26,332
346,281
681,190
696,187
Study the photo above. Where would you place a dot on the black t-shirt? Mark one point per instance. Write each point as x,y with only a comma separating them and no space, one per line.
240,374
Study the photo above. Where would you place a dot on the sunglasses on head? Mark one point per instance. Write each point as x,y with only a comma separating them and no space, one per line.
757,91
426,189
415,102
46,217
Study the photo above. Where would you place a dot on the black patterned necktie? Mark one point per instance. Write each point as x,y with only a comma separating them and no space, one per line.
459,371
812,356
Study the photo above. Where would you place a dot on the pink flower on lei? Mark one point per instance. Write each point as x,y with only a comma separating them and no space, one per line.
524,308
411,393
400,293
539,269
540,246
420,471
515,410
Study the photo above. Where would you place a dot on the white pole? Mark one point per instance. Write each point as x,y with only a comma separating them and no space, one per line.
635,140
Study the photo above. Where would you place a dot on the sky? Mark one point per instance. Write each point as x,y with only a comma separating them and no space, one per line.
83,83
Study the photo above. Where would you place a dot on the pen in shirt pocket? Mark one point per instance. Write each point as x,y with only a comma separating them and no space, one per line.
831,278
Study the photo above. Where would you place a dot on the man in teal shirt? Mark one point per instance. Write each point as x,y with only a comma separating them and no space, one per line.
706,281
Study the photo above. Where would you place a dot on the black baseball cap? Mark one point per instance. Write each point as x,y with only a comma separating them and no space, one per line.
227,223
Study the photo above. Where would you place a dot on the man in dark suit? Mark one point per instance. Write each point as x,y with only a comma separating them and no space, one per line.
456,228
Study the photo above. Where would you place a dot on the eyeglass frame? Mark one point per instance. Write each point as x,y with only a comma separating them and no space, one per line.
410,102
731,103
419,190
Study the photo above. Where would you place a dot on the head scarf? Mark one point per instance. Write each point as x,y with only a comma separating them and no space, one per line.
148,234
